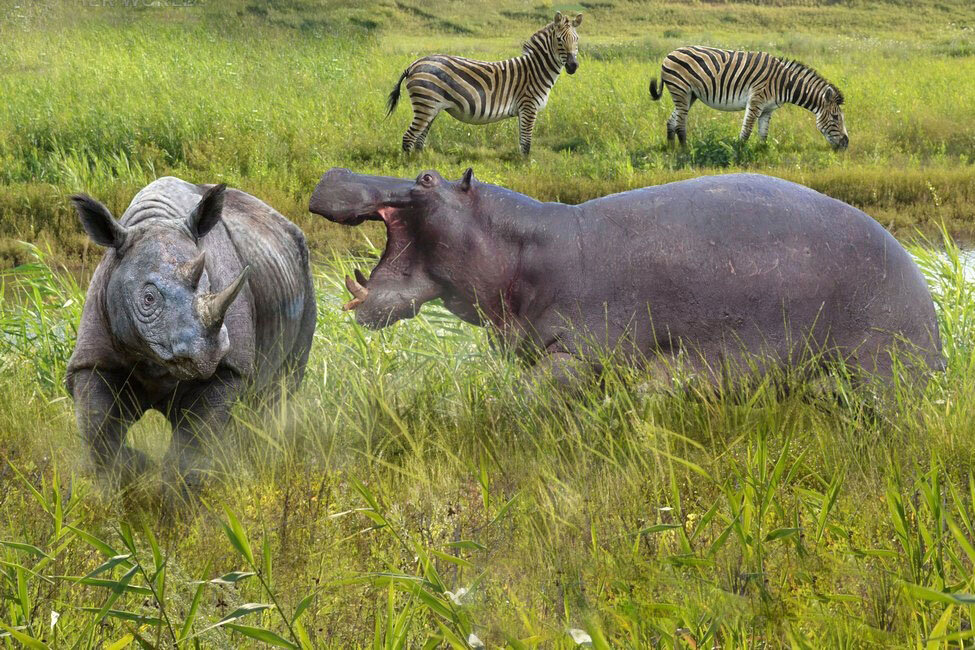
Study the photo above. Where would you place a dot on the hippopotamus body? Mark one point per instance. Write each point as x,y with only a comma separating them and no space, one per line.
742,270
204,294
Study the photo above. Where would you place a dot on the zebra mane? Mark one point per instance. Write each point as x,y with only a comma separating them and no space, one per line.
799,66
528,46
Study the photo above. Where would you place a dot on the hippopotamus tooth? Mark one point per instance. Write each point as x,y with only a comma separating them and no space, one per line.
203,296
739,272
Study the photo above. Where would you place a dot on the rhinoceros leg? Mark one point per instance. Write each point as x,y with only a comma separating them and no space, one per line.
105,407
199,415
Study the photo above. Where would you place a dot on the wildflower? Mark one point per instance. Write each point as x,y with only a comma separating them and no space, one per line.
579,636
458,596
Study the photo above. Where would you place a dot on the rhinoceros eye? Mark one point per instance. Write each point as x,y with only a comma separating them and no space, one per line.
149,301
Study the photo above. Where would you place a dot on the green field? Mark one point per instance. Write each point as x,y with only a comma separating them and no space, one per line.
267,96
412,465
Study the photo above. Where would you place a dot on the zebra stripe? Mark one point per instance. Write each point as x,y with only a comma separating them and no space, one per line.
480,92
755,82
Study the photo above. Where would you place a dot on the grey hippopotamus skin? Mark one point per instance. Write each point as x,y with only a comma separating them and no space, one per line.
740,271
203,296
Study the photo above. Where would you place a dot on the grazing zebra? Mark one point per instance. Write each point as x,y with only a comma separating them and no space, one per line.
755,82
480,92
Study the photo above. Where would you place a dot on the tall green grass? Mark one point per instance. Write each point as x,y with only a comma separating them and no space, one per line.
412,495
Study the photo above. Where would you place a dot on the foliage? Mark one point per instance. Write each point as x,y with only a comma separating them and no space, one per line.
412,495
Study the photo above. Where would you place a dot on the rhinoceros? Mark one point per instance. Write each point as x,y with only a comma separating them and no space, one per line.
739,272
203,296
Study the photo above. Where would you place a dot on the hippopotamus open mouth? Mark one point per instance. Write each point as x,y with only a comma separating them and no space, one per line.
399,284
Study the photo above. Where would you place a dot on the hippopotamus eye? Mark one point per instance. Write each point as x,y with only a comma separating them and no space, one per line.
427,180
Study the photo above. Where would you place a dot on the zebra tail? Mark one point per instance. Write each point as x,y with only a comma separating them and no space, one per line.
656,93
394,96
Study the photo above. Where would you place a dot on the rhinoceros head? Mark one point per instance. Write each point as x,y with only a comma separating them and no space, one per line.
157,295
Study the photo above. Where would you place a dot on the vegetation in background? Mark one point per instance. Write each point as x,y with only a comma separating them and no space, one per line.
105,96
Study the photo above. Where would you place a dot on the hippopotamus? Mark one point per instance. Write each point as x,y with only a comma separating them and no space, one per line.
204,295
738,272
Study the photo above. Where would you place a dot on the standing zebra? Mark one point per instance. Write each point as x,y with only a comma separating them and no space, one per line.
755,82
480,92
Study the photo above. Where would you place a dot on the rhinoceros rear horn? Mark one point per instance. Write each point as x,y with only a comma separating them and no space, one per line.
207,212
212,307
98,222
193,270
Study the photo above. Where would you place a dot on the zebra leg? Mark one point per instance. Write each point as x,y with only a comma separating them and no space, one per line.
677,124
526,124
752,112
672,126
763,122
423,117
682,122
421,138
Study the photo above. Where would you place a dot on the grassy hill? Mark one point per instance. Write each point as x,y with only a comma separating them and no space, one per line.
103,96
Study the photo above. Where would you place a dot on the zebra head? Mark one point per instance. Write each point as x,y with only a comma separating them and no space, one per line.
566,40
829,118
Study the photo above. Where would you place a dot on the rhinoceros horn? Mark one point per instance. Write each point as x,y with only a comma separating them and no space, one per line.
193,270
212,307
357,289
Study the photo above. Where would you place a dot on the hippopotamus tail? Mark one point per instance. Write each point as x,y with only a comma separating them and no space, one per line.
394,96
656,93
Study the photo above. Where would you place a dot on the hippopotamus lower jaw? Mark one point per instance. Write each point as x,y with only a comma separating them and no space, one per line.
388,297
349,199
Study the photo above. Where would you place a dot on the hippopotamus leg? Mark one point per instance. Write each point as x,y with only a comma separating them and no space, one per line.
105,409
200,412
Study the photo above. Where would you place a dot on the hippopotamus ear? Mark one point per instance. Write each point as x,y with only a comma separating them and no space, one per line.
577,21
98,222
207,212
467,180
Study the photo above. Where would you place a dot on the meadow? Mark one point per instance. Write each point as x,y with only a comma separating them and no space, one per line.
413,495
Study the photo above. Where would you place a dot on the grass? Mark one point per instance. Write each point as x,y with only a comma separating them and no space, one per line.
413,495
266,96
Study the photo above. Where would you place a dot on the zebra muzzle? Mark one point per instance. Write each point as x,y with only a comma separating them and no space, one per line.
358,290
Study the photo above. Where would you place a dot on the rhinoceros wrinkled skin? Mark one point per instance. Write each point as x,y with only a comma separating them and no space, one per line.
740,271
204,295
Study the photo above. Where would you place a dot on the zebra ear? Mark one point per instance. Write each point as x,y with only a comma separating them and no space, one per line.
467,180
559,18
577,21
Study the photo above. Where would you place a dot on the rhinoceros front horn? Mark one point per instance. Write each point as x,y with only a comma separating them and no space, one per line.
212,307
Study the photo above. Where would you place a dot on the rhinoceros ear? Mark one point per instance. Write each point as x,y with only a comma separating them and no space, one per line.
98,222
207,212
467,180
